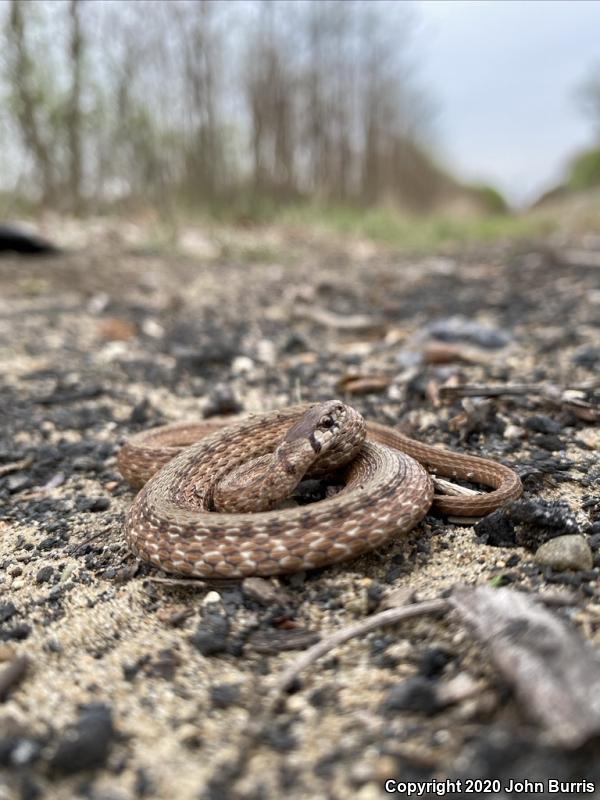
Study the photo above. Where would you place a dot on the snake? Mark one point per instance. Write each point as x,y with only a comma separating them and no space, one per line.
212,494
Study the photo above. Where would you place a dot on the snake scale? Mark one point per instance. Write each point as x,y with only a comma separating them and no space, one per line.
209,493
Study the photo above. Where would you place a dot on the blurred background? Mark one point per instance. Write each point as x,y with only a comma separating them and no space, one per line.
379,117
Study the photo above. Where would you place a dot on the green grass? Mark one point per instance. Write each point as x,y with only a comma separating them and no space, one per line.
382,225
391,227
585,171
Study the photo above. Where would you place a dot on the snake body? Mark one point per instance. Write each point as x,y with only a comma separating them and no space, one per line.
173,522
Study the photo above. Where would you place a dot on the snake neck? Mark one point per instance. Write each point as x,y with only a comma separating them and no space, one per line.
262,483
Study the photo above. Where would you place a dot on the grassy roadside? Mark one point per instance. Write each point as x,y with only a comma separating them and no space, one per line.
391,227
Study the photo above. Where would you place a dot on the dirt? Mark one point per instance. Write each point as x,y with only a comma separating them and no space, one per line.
135,686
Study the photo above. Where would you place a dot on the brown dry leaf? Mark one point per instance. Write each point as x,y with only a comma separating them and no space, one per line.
442,353
587,412
363,384
114,329
433,393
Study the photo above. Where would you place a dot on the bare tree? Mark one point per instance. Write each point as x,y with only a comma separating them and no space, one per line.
26,96
126,111
270,89
74,116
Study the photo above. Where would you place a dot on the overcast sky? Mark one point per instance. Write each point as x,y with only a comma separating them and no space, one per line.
504,75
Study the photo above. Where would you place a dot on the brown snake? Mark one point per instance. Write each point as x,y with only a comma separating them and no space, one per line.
201,481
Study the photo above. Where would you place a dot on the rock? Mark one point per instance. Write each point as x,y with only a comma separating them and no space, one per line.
526,523
540,423
18,482
224,695
86,464
548,441
197,359
18,633
267,592
213,633
496,530
7,610
93,504
594,540
565,552
44,574
25,242
433,661
414,694
87,743
456,329
222,400
588,357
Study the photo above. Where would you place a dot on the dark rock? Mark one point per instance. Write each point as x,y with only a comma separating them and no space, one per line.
130,670
588,357
224,695
433,661
87,744
44,574
295,343
277,640
141,412
165,666
18,633
12,674
222,400
548,442
86,464
196,359
18,481
540,423
279,737
212,634
49,543
594,540
527,523
496,530
7,610
414,694
460,329
143,785
93,504
18,240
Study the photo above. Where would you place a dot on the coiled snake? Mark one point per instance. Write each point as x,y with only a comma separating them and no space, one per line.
207,506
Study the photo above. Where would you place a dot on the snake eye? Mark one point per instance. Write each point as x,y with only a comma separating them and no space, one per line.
326,422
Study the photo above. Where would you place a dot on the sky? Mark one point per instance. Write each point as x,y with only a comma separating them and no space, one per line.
504,75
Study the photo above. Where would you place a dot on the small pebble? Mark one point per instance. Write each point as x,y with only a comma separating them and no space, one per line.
212,634
7,610
414,694
540,423
44,574
565,552
224,695
94,504
87,743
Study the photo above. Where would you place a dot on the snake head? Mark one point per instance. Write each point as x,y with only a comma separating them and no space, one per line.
320,426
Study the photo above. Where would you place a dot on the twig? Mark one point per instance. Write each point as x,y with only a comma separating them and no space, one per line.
15,466
201,583
447,487
389,617
472,390
261,720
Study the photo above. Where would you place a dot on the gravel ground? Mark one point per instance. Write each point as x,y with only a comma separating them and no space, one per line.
120,684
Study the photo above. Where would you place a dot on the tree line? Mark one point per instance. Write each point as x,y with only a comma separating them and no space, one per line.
202,101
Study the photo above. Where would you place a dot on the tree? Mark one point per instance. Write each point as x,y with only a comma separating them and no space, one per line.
26,97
